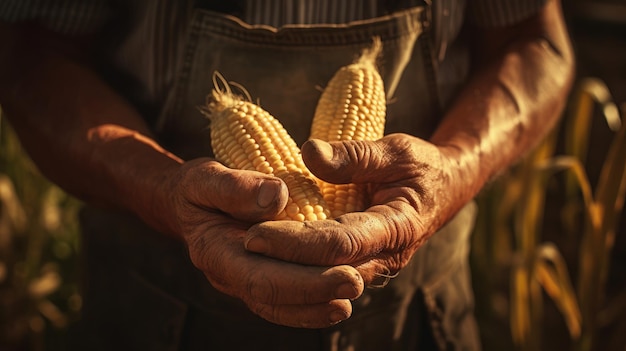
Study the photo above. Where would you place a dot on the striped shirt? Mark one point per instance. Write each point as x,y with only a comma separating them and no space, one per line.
308,12
64,16
87,16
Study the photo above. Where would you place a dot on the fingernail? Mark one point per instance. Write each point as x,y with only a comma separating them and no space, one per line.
258,245
326,150
346,291
338,316
268,190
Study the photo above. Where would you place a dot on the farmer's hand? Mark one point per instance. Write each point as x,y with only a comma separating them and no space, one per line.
412,191
212,204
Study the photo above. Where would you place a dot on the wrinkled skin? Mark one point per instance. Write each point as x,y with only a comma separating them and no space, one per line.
309,271
90,141
410,185
282,292
513,99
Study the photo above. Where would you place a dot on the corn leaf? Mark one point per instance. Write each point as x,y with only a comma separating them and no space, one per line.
576,169
536,313
551,271
531,203
589,277
531,215
610,189
589,91
599,236
520,302
578,122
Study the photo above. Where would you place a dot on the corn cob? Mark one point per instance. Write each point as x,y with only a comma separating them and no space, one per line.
245,136
352,107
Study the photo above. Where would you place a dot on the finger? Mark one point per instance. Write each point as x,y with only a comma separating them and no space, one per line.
305,316
336,162
343,161
386,160
378,273
245,195
264,280
352,239
275,282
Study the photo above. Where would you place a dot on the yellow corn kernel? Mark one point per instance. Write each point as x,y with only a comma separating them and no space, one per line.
247,137
352,107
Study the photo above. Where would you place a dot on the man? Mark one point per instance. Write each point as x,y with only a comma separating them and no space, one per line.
104,96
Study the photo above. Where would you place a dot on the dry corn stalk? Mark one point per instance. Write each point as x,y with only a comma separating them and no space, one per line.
352,107
245,136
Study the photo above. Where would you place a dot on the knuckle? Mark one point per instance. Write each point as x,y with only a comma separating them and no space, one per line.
197,245
345,247
397,263
349,242
210,265
260,288
349,249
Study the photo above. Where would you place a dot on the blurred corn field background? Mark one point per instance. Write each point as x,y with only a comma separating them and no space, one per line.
543,245
549,250
39,246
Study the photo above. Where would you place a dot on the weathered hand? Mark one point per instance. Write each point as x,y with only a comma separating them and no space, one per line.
412,193
214,206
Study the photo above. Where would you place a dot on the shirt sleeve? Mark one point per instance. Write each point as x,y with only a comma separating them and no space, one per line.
74,17
501,13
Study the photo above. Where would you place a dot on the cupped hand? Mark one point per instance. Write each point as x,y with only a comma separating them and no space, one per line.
413,193
214,206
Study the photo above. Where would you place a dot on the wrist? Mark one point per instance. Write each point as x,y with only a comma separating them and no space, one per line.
141,174
465,170
154,199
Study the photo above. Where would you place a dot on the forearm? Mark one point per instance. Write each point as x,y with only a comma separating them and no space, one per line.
80,133
510,104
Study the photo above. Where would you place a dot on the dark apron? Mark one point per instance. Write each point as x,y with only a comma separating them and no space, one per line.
143,293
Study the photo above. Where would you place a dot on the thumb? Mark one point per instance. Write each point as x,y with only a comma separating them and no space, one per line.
245,195
341,162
